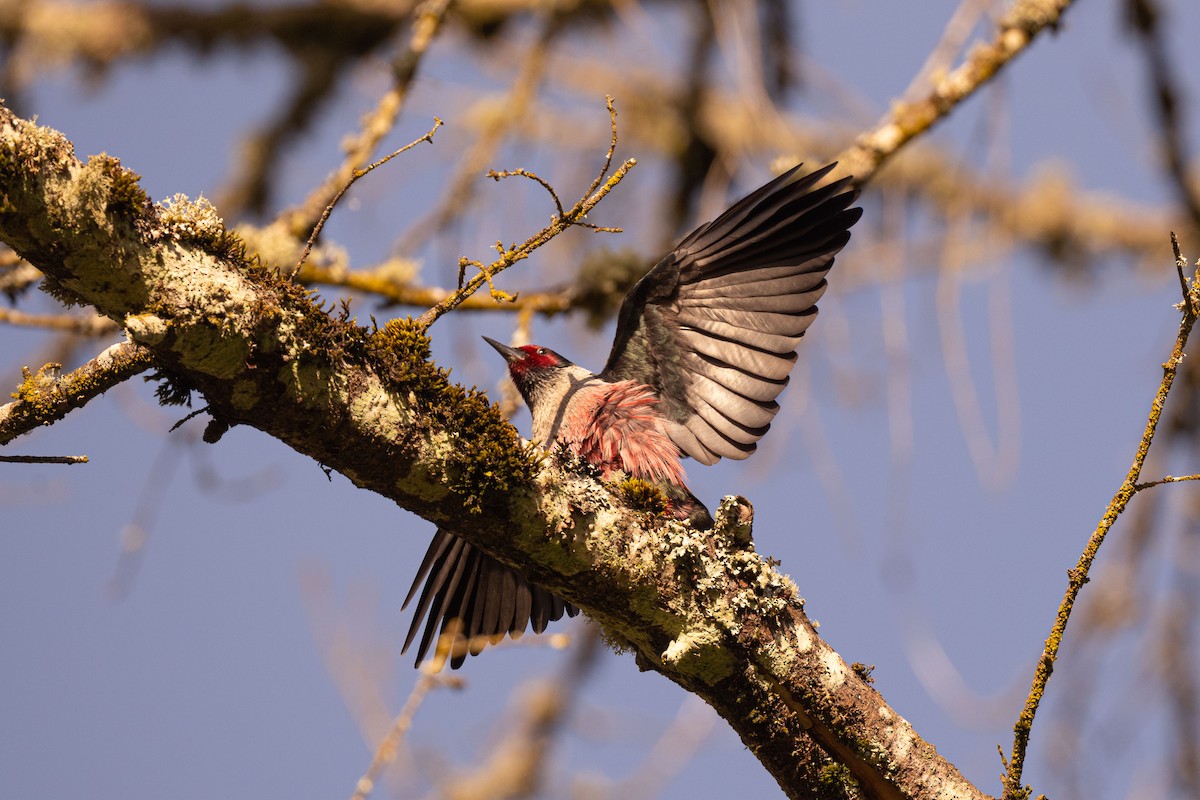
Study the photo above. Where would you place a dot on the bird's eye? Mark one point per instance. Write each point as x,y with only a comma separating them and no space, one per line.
541,351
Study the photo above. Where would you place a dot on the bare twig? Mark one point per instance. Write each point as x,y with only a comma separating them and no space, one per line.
958,30
1078,576
427,22
516,253
379,283
44,459
1188,304
354,176
1165,479
533,176
612,145
386,752
516,107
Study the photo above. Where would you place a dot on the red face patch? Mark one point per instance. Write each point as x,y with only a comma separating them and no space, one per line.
536,358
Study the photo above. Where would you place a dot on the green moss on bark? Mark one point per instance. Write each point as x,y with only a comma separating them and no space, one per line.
486,458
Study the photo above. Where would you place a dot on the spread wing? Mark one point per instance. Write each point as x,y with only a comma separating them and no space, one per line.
715,325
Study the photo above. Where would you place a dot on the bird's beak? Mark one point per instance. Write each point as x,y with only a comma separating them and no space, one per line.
510,354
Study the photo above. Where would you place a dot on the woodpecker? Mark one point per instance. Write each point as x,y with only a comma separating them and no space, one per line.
704,345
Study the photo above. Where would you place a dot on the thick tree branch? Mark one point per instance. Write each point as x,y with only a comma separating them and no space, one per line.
703,609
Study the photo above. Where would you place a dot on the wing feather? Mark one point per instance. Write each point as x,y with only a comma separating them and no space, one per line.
747,415
772,366
714,443
754,387
778,302
715,325
732,323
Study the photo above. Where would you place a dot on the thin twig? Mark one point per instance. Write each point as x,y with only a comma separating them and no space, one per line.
576,216
354,176
1181,266
431,678
958,30
612,144
44,459
533,176
427,22
524,173
1078,576
516,253
517,107
381,284
1137,487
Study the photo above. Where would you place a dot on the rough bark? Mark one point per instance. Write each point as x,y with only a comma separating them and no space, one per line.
703,609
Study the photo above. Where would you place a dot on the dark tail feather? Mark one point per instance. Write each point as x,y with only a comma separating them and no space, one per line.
487,599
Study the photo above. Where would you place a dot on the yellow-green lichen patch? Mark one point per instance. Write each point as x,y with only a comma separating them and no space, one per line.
219,297
558,501
147,329
425,480
23,147
378,411
37,388
687,551
560,554
767,592
222,356
314,384
701,653
196,222
83,202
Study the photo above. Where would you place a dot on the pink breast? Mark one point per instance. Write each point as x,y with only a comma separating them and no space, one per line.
617,426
